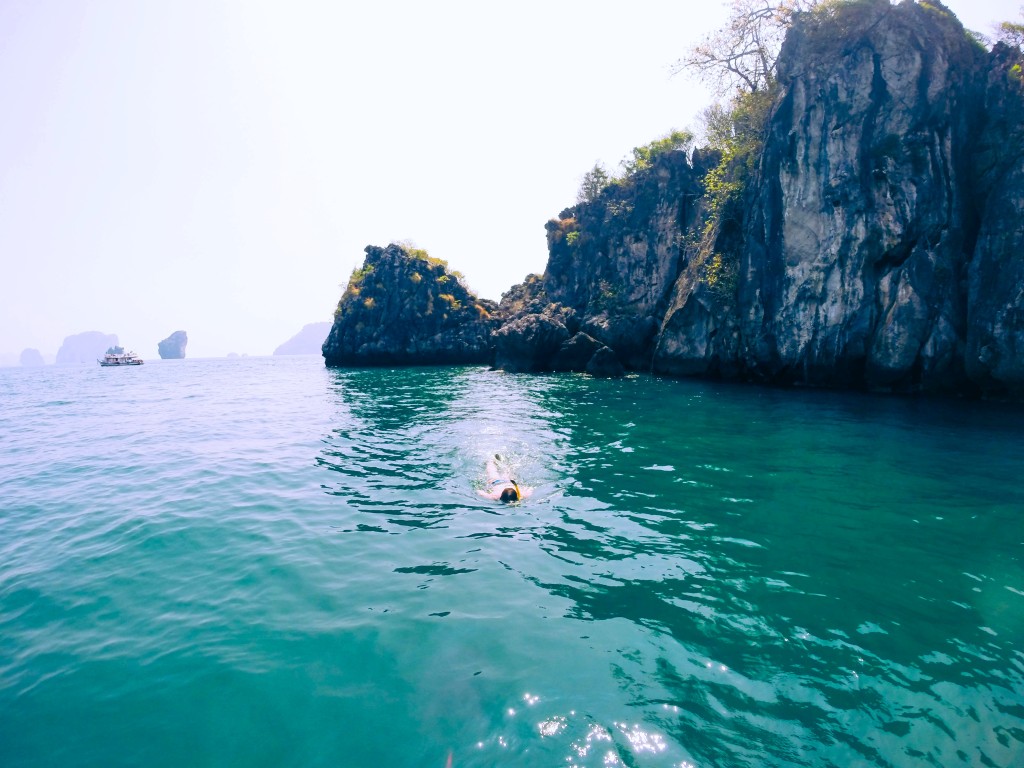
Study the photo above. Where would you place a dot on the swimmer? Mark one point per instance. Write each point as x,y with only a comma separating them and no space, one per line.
501,487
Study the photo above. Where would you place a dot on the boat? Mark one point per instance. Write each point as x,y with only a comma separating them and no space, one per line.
111,359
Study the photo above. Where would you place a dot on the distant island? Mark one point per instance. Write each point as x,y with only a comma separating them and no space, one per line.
173,347
31,358
852,221
87,347
308,341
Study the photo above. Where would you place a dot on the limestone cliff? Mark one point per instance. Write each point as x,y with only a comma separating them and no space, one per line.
994,353
403,307
614,260
863,220
878,243
873,241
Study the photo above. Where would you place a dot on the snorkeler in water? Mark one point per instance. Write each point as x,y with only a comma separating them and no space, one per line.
501,486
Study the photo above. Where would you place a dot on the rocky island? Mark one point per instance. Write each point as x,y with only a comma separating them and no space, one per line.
31,358
855,223
173,347
404,307
85,347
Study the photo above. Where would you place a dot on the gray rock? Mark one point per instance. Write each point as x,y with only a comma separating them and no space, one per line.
574,354
529,343
604,364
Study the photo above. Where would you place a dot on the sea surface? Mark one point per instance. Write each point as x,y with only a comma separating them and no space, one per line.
263,562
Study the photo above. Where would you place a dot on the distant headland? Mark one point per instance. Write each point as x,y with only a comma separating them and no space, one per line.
308,341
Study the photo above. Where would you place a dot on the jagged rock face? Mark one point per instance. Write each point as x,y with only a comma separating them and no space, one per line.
540,335
529,343
877,244
863,221
699,333
173,347
403,307
995,338
614,260
622,249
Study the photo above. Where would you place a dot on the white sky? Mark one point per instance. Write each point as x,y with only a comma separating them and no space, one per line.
218,166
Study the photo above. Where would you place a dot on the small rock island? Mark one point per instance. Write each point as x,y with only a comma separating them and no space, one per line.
404,307
173,347
854,224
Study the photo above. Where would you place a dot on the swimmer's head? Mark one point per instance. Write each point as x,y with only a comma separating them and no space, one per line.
509,494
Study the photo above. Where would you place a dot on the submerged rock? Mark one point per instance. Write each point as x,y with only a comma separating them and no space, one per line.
173,347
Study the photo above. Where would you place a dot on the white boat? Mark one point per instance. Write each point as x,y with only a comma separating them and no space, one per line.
120,358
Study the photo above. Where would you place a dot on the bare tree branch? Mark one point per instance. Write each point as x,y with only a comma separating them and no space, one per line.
743,52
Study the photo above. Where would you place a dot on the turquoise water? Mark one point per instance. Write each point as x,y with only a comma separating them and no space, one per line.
261,562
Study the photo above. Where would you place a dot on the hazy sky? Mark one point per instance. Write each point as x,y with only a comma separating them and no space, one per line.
218,166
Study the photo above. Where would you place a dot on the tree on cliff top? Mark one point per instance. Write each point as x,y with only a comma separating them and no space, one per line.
742,53
594,182
1012,32
597,179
